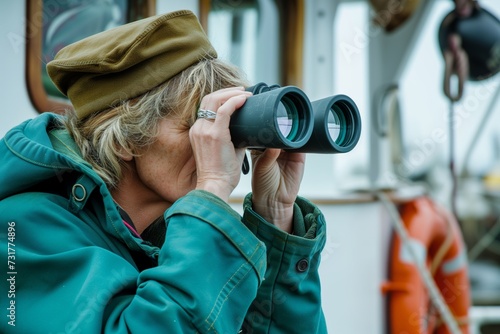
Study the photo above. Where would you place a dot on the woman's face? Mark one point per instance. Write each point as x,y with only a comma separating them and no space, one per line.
166,170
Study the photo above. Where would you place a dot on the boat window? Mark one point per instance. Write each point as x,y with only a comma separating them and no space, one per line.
55,24
253,35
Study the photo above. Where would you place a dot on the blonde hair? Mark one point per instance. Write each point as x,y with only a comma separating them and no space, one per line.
133,125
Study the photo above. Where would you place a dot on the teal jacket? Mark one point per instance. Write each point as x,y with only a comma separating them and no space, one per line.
70,265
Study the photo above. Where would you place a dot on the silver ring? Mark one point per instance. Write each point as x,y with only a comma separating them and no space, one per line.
206,114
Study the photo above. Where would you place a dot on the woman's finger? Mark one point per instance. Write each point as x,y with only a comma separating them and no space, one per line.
216,99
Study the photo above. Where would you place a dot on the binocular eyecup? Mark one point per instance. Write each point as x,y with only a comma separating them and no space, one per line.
283,117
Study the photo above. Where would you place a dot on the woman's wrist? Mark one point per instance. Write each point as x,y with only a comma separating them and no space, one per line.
223,192
278,214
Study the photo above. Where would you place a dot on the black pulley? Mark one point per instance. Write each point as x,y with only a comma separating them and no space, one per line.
480,39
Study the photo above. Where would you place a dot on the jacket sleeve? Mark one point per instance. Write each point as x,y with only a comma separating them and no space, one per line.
289,299
73,278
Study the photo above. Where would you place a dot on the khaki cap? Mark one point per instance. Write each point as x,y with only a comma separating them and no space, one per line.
125,62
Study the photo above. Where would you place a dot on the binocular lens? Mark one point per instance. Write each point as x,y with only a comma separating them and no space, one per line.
277,117
287,118
340,124
337,126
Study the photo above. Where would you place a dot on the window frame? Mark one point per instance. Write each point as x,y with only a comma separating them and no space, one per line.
39,98
292,20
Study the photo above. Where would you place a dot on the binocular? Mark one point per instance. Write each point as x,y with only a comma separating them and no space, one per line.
285,118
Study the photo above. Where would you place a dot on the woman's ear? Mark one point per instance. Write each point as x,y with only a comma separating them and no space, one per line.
125,153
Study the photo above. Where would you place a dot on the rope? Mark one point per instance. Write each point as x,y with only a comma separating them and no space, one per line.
485,241
454,181
445,246
479,131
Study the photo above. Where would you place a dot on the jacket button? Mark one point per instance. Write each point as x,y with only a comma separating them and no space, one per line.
79,192
302,265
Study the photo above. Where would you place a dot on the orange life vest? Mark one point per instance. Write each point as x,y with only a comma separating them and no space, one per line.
437,238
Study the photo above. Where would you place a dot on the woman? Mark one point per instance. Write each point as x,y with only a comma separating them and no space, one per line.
119,210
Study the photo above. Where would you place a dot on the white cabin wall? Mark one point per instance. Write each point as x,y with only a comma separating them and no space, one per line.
354,266
16,105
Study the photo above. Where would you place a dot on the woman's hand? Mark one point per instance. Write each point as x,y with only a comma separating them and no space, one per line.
218,163
275,184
